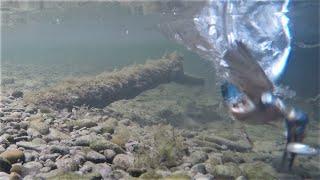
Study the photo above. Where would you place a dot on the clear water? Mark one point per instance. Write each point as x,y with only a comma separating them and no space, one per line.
42,46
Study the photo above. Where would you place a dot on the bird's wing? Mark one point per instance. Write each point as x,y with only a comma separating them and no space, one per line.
245,72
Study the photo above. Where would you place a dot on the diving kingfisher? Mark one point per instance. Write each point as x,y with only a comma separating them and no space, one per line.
248,94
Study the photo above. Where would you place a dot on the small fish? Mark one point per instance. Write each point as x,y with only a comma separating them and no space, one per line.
302,149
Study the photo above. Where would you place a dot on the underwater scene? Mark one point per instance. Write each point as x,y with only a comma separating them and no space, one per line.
172,89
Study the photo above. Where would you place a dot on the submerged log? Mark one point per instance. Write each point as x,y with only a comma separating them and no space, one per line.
106,88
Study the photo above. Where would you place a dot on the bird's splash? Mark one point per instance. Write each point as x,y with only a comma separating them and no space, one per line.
261,25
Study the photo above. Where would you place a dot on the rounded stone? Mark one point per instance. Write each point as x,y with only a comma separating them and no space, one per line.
13,155
123,161
5,165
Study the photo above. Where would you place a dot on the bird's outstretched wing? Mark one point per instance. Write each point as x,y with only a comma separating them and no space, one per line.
245,72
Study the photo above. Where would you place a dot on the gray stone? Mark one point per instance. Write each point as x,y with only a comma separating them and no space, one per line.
5,165
103,169
83,140
123,161
30,155
61,149
2,149
78,124
109,154
33,132
79,157
87,167
95,157
67,164
125,122
136,172
55,134
199,168
37,123
241,178
45,169
100,145
17,94
228,170
52,156
30,145
131,146
198,157
203,177
31,168
31,109
50,164
118,174
258,170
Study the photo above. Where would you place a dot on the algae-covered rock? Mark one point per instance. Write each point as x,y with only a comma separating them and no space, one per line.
31,145
78,124
151,174
178,176
72,176
67,164
37,122
198,157
31,168
258,170
119,174
55,134
228,170
136,172
101,144
95,157
235,157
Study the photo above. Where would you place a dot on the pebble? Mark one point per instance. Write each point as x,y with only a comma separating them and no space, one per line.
109,154
67,164
50,164
17,94
136,172
123,161
199,168
30,145
16,168
52,156
31,168
131,146
228,170
95,157
5,165
79,157
13,156
87,167
14,176
200,176
61,149
198,157
30,155
45,169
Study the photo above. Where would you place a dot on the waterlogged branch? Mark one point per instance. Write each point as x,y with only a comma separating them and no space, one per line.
106,88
